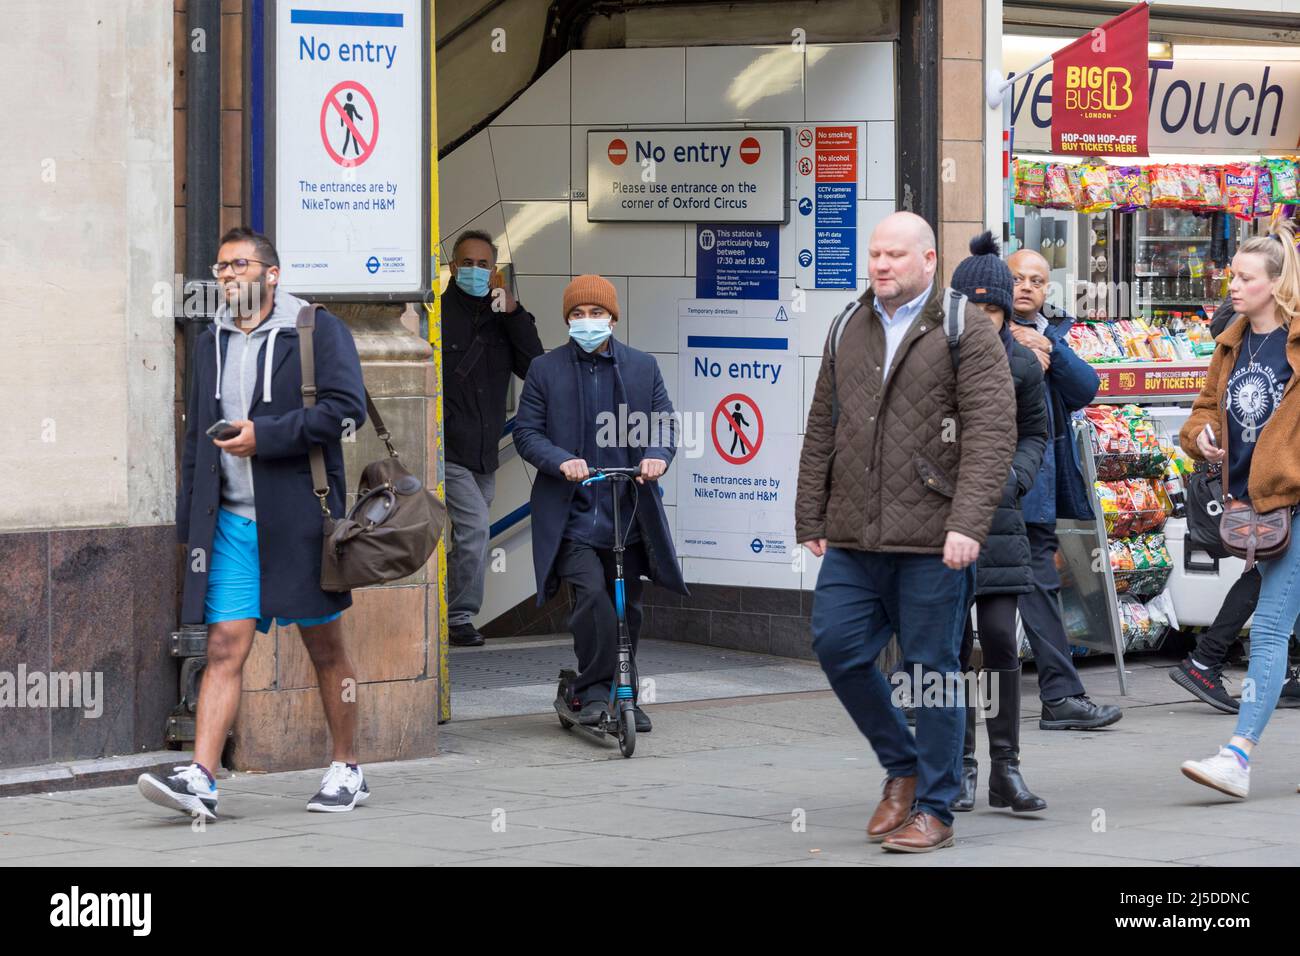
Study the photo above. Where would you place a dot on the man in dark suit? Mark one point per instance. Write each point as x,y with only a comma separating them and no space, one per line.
571,398
1058,492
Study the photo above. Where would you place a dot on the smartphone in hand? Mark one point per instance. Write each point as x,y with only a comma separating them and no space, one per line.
222,430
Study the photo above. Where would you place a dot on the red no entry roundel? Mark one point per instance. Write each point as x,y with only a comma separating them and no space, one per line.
342,119
731,418
749,150
617,152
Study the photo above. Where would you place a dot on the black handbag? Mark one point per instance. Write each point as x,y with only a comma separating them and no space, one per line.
1204,513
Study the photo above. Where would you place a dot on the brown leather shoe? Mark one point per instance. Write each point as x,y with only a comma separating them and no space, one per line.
923,834
894,809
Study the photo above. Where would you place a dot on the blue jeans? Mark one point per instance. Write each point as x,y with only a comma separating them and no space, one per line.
1275,614
862,599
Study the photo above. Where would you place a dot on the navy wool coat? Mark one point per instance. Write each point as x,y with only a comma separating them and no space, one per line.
549,431
289,520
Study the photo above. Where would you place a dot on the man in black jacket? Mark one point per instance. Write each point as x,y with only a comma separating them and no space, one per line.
487,336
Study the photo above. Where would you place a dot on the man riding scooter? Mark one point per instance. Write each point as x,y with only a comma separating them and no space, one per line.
562,428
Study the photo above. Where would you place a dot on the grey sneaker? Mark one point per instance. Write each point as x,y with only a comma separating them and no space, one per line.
341,790
188,790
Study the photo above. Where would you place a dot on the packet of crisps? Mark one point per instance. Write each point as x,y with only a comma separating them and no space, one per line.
1211,191
1074,180
1095,182
1239,184
1058,186
1166,185
1283,172
1263,192
1129,189
1031,183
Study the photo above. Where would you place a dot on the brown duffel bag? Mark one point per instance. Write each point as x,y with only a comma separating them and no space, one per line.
396,522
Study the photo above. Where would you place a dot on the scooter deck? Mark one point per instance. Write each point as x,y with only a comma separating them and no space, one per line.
569,720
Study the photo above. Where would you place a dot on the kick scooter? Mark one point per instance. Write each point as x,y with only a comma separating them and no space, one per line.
619,717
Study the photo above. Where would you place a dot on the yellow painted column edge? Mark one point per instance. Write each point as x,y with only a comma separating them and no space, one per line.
433,306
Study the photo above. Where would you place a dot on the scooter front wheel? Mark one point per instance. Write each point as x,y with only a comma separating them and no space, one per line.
627,732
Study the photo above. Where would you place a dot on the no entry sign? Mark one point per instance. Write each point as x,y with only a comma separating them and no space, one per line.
344,119
360,132
738,378
688,175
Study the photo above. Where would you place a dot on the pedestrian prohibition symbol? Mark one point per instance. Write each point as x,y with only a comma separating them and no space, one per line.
733,415
348,131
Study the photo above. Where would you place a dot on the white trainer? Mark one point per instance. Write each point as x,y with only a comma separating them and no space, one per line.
341,790
1222,772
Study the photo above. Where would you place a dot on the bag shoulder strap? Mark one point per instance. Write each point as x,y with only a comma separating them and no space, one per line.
307,357
833,342
954,323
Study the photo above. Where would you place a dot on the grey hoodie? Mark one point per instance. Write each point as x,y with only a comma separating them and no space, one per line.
236,379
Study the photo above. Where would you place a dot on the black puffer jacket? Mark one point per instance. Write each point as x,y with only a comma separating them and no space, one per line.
1004,559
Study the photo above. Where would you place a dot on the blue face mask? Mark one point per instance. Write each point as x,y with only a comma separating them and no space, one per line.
590,333
473,280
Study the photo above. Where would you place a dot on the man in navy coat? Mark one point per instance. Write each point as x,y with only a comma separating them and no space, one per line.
1059,491
577,401
249,517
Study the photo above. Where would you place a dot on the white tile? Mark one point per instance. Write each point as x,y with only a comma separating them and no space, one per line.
493,223
633,87
810,367
754,83
652,303
823,305
624,320
532,162
652,249
670,512
467,184
880,152
578,161
870,212
543,296
851,80
546,102
787,245
539,236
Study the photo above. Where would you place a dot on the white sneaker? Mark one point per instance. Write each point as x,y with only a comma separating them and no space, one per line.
188,790
1222,772
341,790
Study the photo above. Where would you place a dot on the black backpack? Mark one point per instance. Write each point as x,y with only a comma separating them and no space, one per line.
954,323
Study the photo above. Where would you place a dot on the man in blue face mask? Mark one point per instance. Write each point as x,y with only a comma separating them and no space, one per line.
597,403
486,338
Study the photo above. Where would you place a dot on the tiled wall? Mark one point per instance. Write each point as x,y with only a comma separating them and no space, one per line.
523,180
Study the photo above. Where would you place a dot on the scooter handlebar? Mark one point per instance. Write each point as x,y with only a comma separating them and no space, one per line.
603,474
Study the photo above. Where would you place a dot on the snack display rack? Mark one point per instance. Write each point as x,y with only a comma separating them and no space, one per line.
1115,569
1139,255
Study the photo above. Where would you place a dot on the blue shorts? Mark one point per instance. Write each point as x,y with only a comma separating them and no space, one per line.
235,577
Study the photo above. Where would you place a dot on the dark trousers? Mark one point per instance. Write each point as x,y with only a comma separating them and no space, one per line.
594,622
997,621
1239,604
862,599
1040,611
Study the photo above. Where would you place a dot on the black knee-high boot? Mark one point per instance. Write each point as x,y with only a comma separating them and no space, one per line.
1007,787
965,800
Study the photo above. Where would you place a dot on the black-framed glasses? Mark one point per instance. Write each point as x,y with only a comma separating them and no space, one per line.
237,266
